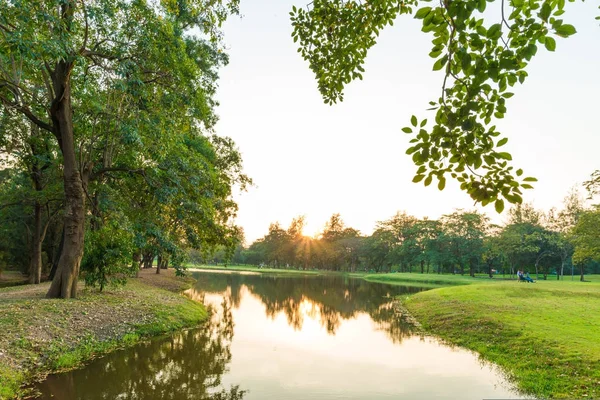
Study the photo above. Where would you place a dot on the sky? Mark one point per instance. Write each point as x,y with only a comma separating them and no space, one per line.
309,158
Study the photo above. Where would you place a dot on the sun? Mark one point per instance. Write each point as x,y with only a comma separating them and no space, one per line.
310,230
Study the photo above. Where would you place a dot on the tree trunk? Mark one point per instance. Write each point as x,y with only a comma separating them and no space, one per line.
35,263
422,266
582,270
64,284
136,262
490,273
147,260
56,257
158,263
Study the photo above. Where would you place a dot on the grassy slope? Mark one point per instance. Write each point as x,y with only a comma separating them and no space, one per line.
47,335
547,335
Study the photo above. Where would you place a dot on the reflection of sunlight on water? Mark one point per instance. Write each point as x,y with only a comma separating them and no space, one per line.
305,345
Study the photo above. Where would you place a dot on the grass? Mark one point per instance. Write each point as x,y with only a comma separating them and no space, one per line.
428,280
545,336
41,336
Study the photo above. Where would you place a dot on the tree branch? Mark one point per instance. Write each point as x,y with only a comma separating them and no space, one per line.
28,113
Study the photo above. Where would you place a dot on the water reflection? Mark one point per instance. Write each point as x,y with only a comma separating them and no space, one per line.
188,365
330,299
296,338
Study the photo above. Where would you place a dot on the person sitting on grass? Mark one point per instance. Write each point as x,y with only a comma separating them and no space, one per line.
520,276
528,278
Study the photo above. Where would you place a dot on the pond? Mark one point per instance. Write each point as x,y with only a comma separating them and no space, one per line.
288,337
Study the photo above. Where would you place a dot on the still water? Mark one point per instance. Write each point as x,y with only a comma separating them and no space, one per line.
297,338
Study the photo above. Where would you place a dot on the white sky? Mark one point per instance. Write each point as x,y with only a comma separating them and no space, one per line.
308,158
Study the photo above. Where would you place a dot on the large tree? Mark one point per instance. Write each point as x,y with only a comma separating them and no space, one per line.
481,53
56,54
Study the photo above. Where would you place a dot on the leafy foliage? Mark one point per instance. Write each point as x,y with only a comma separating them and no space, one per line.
107,258
480,61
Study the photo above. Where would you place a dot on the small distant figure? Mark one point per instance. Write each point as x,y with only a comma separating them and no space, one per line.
524,277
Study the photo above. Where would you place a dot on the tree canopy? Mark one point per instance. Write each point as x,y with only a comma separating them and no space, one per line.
118,98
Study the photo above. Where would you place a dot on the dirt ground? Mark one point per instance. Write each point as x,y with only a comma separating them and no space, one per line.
34,328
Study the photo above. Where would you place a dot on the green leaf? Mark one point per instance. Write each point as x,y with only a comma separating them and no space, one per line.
519,172
423,12
465,61
550,43
442,183
418,178
495,31
481,5
502,142
545,11
499,205
413,121
505,156
428,180
566,30
423,123
439,64
530,179
407,129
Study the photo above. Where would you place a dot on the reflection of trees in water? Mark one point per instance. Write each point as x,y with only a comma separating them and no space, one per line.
188,365
337,298
390,320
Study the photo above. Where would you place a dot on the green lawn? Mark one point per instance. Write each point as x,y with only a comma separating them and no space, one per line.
546,335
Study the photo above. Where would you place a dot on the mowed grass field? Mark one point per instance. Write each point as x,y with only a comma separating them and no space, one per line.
545,335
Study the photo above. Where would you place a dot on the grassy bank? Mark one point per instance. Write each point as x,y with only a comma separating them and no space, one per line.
544,335
427,280
40,336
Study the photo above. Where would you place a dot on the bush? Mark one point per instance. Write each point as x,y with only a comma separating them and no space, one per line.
107,257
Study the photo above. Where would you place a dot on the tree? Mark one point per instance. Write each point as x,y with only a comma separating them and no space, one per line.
465,231
562,223
586,238
492,253
403,232
34,193
479,59
53,56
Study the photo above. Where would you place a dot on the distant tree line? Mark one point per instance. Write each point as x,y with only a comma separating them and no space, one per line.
558,242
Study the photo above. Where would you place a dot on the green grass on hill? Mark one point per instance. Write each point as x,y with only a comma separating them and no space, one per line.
431,280
545,335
